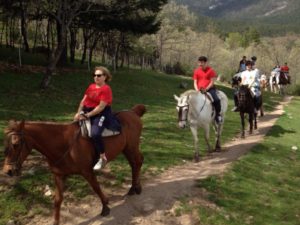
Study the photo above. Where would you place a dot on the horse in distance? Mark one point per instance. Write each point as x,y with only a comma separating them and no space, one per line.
196,109
68,152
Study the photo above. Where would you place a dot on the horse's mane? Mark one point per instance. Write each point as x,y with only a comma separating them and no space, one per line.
189,92
13,125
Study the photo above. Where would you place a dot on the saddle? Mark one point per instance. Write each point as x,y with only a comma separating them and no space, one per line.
86,129
210,98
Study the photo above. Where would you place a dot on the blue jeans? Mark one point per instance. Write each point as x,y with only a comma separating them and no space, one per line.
217,103
98,123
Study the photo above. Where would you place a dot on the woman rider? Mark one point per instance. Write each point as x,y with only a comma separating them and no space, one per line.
96,105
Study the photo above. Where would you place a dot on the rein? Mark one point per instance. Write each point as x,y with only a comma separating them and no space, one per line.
22,142
69,149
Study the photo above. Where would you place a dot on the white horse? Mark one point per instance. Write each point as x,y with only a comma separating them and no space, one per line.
263,82
196,109
274,82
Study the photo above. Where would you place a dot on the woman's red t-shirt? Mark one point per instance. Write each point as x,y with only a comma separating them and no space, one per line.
96,94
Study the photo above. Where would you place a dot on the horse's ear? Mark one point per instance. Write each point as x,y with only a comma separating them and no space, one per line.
176,97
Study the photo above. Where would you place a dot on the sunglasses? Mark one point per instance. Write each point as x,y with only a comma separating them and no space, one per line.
98,75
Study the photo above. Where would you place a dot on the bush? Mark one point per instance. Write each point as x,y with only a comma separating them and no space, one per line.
177,68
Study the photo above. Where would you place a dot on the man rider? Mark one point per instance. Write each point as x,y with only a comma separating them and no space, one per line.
285,69
242,65
204,77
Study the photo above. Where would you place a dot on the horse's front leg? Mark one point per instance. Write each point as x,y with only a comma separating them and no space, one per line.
91,178
59,182
255,121
251,115
194,131
242,115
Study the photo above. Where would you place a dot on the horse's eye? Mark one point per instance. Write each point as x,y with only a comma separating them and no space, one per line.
16,145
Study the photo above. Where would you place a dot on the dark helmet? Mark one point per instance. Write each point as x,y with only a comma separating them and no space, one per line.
253,58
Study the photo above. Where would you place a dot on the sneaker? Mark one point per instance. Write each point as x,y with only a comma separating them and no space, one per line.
100,164
219,119
235,109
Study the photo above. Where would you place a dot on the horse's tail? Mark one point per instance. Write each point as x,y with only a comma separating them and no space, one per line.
139,109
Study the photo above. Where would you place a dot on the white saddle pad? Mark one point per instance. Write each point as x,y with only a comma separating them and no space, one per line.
86,129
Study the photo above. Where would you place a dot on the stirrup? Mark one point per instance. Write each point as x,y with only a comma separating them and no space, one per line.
219,119
100,164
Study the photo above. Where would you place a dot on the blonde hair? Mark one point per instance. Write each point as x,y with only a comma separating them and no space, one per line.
105,71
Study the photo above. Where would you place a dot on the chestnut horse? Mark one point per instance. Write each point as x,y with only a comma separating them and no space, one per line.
67,152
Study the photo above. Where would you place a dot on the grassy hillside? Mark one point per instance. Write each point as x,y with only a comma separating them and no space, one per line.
263,187
163,144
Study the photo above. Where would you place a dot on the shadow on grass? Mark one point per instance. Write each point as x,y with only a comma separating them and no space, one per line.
278,131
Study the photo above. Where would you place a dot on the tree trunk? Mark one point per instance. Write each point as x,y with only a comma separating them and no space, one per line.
7,34
23,27
64,53
54,58
73,33
48,38
35,35
92,48
85,42
2,33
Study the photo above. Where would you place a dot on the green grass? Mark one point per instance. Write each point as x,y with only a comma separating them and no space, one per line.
263,187
163,143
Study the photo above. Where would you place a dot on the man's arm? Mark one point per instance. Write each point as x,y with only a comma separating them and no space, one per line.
195,85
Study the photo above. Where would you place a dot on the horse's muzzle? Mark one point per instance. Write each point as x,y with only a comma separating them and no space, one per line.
182,124
11,170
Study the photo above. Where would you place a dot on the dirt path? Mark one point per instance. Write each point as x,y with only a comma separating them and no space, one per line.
160,197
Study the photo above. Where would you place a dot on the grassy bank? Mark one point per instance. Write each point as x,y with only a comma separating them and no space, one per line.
263,187
163,144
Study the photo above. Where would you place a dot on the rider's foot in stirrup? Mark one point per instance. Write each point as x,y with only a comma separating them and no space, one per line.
101,163
219,119
235,109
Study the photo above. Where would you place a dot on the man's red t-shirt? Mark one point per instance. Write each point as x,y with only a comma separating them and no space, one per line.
285,69
96,94
204,77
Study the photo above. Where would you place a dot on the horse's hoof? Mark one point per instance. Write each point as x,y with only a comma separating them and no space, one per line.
131,191
218,149
138,190
135,190
105,210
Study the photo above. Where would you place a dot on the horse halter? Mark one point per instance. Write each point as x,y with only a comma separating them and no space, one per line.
181,110
18,148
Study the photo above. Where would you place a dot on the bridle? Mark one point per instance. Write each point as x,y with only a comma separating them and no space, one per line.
19,148
180,112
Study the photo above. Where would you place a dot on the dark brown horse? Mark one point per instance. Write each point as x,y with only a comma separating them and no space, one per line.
248,105
69,153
